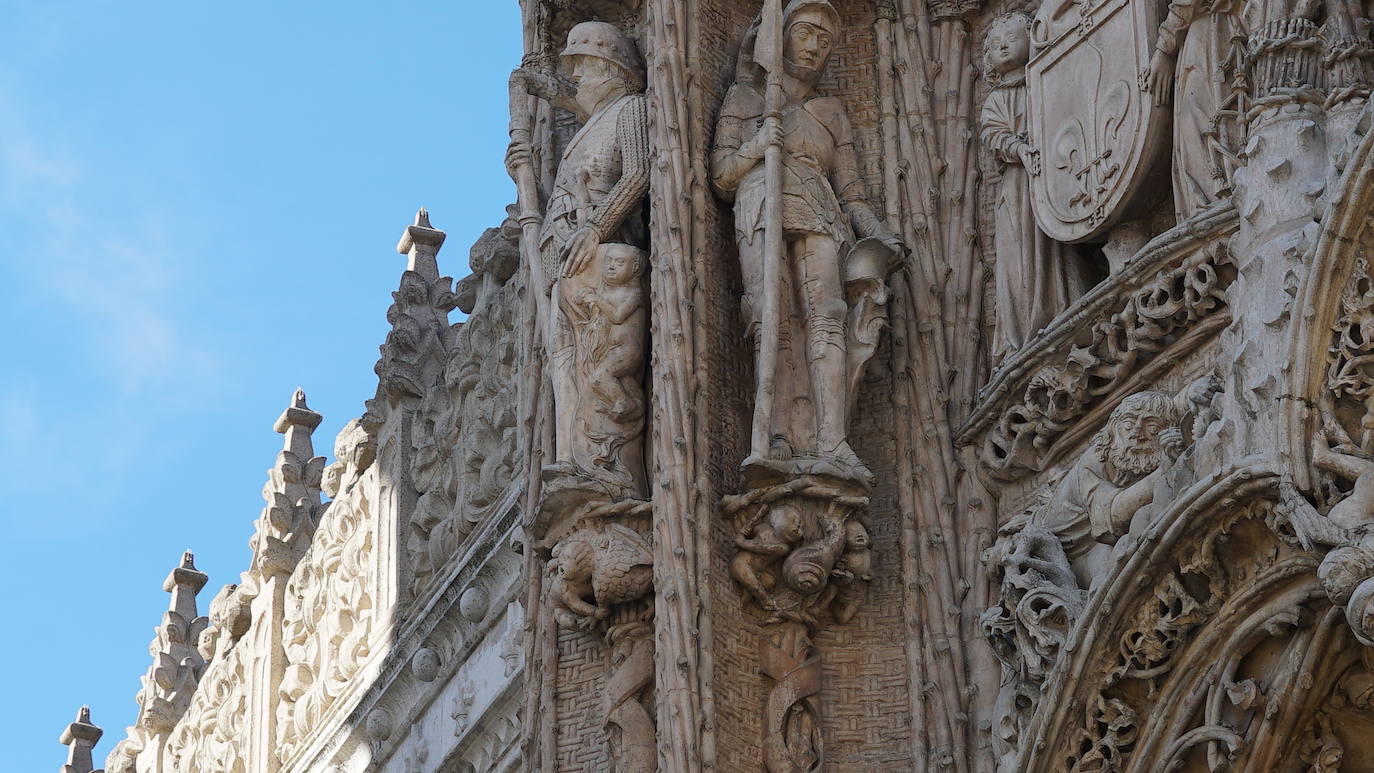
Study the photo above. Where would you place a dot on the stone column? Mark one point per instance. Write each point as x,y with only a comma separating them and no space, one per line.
1278,192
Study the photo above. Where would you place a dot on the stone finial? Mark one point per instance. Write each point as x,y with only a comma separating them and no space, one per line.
184,582
292,492
172,678
298,423
80,738
421,242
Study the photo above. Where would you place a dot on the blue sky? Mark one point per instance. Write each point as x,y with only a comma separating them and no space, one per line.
199,206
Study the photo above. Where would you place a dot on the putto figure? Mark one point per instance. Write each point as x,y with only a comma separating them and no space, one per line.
590,256
823,208
1033,279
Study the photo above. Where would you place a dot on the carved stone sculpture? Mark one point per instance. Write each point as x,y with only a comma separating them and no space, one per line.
1116,476
1099,134
1034,276
1040,601
603,582
826,236
589,264
1196,62
803,549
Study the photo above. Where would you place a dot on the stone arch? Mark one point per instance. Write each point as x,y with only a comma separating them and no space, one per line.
1207,645
1347,235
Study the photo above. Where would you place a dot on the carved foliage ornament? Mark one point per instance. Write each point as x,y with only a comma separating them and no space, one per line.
1058,395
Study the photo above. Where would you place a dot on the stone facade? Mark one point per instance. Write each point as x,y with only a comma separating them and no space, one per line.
856,385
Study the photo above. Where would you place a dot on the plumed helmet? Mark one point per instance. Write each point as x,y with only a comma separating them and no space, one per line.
823,7
606,41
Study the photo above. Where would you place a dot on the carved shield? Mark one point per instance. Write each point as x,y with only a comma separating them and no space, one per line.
1095,126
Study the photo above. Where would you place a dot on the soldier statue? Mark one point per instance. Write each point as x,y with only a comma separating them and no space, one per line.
591,257
823,208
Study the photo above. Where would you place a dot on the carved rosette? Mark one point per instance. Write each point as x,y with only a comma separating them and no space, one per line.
803,550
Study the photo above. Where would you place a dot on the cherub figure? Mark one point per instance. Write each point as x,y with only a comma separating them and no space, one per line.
763,545
1033,277
853,572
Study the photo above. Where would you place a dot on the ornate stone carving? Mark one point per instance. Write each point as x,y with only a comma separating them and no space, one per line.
1198,62
1118,473
803,549
1057,396
806,236
1097,131
602,580
330,601
170,683
465,440
590,265
1040,602
1034,276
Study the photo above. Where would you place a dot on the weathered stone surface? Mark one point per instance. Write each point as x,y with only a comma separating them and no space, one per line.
787,432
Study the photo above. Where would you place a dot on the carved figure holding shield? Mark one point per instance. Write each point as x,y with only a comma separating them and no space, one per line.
797,232
1033,279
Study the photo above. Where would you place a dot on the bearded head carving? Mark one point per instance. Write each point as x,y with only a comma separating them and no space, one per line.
1130,446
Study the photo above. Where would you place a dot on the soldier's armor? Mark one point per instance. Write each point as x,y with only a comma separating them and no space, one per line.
592,164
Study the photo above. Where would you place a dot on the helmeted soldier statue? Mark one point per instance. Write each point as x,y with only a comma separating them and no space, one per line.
824,209
590,247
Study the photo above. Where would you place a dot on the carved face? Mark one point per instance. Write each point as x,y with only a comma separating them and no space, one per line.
595,79
1134,442
1008,45
621,267
786,523
809,41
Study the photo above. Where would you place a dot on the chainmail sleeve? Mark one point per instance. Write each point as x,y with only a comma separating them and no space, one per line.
632,132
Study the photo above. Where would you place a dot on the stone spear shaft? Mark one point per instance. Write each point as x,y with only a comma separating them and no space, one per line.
768,52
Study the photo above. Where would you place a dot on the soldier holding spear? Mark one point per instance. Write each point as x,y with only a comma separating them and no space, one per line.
796,218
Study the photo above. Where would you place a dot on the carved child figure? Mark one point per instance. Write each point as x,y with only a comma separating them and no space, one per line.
769,540
854,571
1033,273
610,322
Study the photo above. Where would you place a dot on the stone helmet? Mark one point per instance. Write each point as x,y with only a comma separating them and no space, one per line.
606,42
824,7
